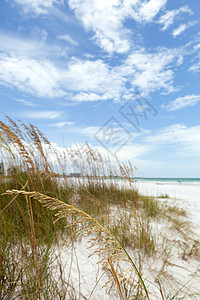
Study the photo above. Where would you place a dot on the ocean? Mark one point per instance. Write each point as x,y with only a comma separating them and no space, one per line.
175,180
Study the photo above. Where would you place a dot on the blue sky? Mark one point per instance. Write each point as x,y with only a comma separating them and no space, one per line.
120,75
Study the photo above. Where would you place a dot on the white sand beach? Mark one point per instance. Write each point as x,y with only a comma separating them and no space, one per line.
186,195
182,274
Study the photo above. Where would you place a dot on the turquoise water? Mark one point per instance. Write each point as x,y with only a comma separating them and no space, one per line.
186,180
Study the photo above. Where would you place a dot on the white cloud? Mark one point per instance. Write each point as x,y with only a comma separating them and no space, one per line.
92,96
106,19
61,124
35,47
126,152
152,71
43,79
168,18
186,139
90,80
89,76
151,8
180,29
129,152
195,67
29,75
37,7
67,38
181,102
27,103
111,136
197,47
42,114
24,46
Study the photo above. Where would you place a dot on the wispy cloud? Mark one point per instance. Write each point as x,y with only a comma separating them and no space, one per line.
22,45
37,7
132,151
151,8
106,18
67,38
93,132
148,71
181,102
61,124
27,103
181,28
84,96
185,139
42,114
37,47
169,17
90,80
196,66
152,71
40,78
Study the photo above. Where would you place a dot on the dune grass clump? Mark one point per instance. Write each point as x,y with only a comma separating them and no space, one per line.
29,225
105,243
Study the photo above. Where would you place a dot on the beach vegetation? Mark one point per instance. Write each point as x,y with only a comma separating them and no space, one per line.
164,196
44,211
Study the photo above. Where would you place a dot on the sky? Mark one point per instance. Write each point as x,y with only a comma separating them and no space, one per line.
121,75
